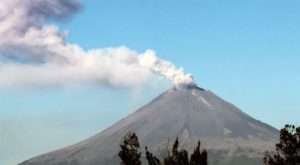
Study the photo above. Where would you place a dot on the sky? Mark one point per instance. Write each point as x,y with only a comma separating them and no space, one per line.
244,51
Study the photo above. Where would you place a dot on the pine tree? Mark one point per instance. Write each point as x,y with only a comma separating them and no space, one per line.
288,148
152,160
198,157
177,157
130,154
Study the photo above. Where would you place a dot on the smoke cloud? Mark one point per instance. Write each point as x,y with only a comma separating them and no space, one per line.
34,53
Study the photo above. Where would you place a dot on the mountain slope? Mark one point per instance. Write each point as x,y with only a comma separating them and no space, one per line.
189,113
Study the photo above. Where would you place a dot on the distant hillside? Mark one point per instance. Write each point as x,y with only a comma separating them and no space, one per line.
230,136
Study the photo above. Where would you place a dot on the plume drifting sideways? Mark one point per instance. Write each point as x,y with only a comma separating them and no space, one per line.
34,53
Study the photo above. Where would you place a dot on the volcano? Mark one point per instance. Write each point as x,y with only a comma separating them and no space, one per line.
190,113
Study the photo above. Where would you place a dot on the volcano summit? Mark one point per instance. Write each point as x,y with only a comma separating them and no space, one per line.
190,113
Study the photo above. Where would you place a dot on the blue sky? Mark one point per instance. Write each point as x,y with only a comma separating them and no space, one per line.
247,52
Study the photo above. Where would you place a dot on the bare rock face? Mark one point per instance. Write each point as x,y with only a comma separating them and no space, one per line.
192,114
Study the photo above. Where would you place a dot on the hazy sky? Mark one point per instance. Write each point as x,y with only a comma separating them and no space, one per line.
247,52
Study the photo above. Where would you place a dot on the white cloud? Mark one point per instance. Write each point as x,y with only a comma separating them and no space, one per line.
37,55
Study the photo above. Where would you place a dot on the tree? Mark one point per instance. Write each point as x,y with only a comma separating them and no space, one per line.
198,157
178,157
288,148
152,160
130,153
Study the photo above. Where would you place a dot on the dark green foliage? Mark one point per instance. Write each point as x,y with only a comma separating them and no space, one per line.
130,154
152,160
198,157
288,148
178,157
183,157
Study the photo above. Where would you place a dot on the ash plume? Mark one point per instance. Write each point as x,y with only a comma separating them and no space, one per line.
35,53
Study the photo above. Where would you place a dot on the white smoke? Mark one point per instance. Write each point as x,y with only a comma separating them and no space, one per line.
34,53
